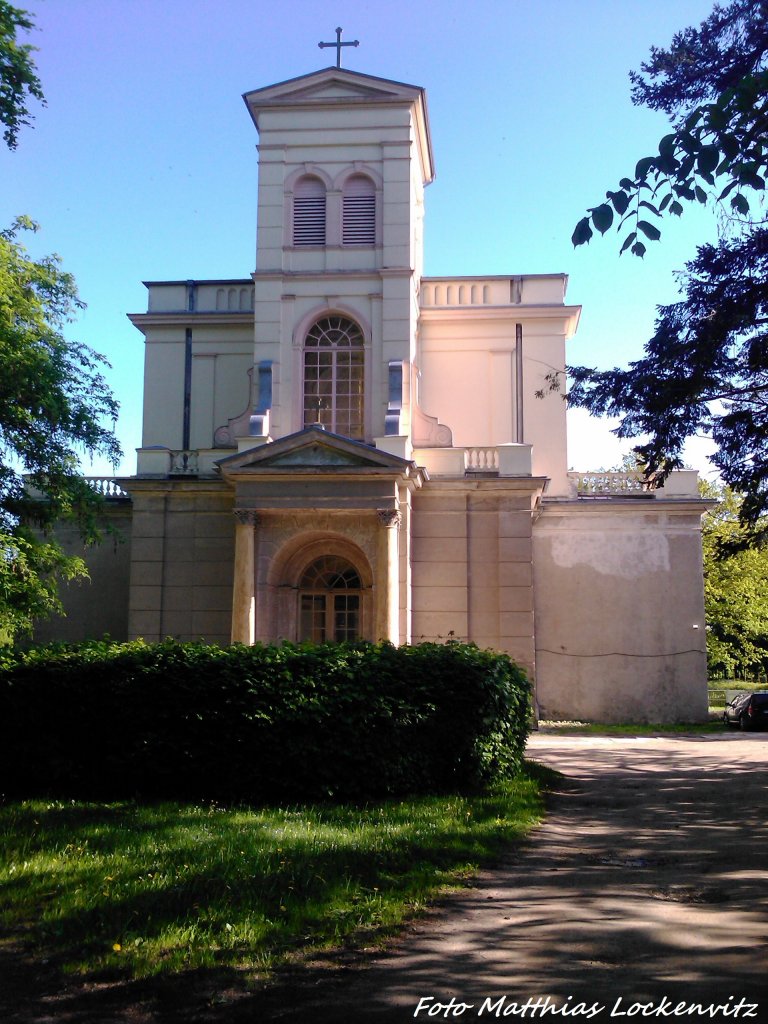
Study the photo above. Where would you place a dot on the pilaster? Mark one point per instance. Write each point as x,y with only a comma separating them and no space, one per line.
244,590
388,604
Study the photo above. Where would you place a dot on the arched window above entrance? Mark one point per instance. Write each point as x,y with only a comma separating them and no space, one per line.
329,601
334,359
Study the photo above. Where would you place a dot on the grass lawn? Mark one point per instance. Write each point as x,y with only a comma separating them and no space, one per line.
630,729
142,889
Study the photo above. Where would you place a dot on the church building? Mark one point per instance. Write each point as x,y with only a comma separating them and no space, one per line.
338,446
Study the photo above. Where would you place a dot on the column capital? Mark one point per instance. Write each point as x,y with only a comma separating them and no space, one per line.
246,517
389,517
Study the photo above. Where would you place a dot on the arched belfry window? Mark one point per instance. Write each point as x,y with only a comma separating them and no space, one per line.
333,376
329,601
309,212
359,211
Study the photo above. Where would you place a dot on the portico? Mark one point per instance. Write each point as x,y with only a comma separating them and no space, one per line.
316,504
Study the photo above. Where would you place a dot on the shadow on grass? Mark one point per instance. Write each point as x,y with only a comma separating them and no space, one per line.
647,881
299,894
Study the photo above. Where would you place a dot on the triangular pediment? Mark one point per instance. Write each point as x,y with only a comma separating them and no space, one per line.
312,450
331,85
316,456
331,92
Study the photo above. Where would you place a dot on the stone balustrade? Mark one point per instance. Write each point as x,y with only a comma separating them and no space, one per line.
107,487
500,460
160,462
493,460
681,483
184,463
609,482
527,289
481,460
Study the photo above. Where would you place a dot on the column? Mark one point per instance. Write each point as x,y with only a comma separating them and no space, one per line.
244,590
388,577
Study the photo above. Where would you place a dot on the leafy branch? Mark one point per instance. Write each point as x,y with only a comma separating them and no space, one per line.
723,145
18,75
713,82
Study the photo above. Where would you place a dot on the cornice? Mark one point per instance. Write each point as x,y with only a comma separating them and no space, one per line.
552,508
528,484
312,275
481,278
165,484
197,282
553,311
183,318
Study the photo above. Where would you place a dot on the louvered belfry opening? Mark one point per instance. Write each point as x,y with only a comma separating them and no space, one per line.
359,211
334,357
309,212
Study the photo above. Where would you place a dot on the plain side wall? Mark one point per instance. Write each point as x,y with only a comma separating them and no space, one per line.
97,606
182,561
620,632
471,566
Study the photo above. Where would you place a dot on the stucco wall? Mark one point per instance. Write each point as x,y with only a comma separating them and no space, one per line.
221,353
471,569
182,560
620,632
469,364
98,606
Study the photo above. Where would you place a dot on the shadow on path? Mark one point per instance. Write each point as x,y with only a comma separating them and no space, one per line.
647,880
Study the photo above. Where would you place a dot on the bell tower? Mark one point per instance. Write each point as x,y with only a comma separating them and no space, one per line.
343,161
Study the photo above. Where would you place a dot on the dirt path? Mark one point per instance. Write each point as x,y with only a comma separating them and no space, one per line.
648,882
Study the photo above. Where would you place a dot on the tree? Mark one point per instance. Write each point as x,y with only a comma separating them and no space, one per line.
18,76
54,404
735,593
705,370
53,399
713,84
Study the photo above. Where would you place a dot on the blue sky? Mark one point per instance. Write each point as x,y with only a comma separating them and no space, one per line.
143,164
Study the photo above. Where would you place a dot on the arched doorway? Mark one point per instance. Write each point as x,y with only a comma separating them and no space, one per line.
330,601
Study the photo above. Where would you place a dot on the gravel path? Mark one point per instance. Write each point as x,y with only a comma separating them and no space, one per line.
647,882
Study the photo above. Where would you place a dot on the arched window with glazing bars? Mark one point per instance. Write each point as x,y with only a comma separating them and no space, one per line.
334,363
329,601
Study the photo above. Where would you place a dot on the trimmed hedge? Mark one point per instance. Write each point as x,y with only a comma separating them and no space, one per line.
260,724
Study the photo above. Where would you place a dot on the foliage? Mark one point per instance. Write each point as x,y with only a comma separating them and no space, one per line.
150,890
53,404
53,398
713,83
18,78
735,593
29,570
705,370
192,721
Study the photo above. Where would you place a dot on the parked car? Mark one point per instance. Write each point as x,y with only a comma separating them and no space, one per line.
748,711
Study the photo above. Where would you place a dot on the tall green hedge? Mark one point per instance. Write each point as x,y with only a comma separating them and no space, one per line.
263,723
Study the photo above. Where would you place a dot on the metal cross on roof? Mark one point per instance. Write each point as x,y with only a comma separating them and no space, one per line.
338,44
